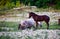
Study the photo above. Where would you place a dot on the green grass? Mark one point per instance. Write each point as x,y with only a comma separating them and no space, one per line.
5,37
53,26
14,25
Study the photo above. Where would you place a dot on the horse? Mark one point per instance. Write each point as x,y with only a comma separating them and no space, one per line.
28,23
39,18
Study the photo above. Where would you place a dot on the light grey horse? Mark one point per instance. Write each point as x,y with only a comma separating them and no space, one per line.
28,23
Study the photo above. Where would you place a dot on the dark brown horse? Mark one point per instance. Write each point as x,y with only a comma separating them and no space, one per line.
39,18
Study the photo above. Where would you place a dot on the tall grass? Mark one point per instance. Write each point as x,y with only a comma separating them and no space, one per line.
13,26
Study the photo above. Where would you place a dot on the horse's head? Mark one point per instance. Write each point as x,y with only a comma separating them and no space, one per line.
31,14
21,27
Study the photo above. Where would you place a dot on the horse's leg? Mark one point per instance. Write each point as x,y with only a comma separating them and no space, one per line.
36,24
47,24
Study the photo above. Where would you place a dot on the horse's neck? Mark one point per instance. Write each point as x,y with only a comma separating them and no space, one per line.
34,16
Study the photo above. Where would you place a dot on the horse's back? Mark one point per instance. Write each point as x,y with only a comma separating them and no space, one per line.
46,18
43,18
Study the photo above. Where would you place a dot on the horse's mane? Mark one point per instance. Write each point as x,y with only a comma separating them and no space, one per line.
36,14
33,13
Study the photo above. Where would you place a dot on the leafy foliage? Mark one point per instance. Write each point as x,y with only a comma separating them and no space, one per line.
8,4
17,4
42,3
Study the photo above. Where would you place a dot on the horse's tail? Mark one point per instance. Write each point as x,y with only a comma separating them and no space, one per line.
47,18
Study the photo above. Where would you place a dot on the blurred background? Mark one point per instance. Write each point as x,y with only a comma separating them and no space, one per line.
14,11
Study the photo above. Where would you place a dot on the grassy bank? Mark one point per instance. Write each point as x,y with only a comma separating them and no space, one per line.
13,26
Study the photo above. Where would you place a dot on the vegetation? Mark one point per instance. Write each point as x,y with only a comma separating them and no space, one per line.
13,26
30,34
42,3
5,37
8,4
